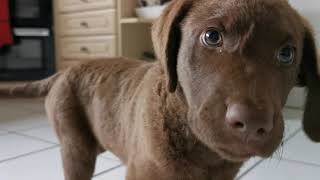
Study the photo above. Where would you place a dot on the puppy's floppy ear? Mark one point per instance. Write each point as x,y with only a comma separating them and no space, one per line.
166,37
309,76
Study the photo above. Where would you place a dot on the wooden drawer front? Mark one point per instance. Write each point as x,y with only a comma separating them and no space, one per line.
80,5
88,23
66,64
90,47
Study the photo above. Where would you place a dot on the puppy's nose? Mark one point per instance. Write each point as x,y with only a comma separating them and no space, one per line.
249,123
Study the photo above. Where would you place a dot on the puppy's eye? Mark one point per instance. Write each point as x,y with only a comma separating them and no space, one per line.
212,38
286,55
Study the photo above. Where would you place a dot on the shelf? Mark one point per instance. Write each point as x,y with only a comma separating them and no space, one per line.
133,20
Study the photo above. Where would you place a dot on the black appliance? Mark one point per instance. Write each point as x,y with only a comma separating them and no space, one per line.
31,13
32,55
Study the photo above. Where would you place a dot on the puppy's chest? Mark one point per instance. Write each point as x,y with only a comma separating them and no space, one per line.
189,150
200,161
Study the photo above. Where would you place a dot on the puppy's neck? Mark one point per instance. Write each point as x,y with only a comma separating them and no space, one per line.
184,145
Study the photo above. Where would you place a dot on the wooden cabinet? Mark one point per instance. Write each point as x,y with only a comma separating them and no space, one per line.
88,23
85,29
131,30
68,6
91,29
88,47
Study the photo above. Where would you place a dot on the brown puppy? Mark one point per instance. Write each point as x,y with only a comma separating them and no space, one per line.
212,101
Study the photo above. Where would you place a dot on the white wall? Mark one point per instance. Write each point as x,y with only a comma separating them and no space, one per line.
311,10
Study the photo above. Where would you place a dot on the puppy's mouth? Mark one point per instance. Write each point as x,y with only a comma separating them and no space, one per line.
243,153
235,156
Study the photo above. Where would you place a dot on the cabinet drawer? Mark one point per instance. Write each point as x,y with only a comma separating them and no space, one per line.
88,23
67,64
81,5
88,47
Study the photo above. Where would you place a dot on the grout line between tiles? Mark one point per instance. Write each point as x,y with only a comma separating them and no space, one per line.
108,170
32,137
27,154
29,128
107,158
284,141
280,156
35,127
293,108
301,162
292,135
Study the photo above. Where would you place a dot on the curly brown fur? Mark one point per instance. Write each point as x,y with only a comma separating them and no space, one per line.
167,120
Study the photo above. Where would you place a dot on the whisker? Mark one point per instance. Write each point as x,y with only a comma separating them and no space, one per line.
279,153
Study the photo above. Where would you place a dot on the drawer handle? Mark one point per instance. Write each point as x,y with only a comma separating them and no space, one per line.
84,24
84,49
85,1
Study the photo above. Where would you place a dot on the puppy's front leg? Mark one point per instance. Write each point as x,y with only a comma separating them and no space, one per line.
78,164
78,144
79,151
146,171
152,172
141,173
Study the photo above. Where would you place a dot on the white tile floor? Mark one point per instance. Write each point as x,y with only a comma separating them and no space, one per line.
29,150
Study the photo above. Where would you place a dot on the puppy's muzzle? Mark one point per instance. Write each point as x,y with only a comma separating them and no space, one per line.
248,123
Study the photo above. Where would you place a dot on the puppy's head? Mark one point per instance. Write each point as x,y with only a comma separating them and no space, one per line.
235,61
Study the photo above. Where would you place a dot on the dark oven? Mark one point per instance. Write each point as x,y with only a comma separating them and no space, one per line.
31,13
30,58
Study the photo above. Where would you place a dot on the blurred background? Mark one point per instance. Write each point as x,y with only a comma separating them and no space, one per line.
311,10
